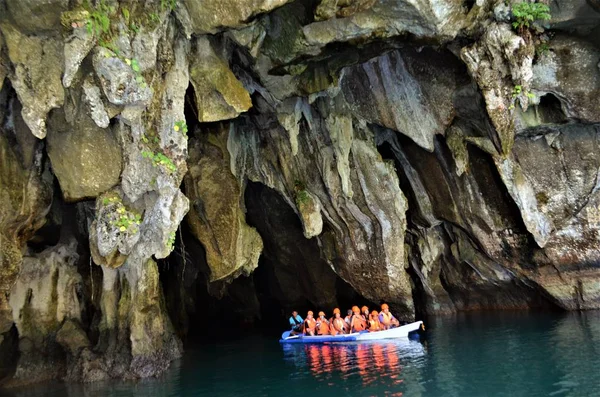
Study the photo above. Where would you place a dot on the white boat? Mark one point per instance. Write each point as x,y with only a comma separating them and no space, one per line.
394,333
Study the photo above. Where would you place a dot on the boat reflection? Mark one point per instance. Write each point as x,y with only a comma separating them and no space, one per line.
376,363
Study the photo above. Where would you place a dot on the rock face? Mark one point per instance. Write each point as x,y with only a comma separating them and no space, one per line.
424,153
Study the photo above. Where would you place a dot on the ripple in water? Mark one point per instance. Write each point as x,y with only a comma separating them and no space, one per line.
493,354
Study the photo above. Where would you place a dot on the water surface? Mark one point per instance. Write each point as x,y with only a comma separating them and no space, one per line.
494,354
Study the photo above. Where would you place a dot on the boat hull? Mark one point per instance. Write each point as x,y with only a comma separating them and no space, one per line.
394,333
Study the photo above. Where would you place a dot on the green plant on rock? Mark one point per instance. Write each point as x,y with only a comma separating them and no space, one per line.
160,159
517,91
168,4
171,241
124,219
135,66
127,220
181,126
302,196
527,13
99,22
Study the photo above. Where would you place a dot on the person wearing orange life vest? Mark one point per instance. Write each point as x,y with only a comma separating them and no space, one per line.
337,325
357,323
386,318
322,325
365,314
310,324
374,324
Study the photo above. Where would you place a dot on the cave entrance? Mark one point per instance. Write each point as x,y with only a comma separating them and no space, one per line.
291,275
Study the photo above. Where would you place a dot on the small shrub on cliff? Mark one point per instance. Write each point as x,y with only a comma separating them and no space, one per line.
124,219
181,126
160,159
527,13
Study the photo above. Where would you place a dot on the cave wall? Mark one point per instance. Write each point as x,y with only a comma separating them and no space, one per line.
161,160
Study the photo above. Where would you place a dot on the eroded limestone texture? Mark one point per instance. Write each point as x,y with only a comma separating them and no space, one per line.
422,153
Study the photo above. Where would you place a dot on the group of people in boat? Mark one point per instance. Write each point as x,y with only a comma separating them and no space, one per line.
357,320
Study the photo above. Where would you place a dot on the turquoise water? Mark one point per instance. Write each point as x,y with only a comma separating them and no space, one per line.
495,354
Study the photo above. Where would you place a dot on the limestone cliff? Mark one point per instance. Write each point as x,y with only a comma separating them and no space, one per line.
161,156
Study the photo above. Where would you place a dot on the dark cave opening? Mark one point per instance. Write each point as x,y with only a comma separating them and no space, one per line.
291,275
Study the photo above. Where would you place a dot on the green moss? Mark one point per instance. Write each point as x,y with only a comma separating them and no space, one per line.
542,198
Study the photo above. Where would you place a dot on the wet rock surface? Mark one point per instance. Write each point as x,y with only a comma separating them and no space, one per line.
162,162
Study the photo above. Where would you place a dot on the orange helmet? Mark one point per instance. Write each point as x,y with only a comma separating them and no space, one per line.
374,313
336,310
362,309
384,306
321,314
355,309
310,313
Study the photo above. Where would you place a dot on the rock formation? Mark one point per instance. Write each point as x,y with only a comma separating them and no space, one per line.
162,156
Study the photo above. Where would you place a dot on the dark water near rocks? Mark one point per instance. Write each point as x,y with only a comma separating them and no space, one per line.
493,354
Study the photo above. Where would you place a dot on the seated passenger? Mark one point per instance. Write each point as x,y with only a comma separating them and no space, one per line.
337,325
310,324
358,323
386,318
348,318
365,314
374,324
296,323
322,325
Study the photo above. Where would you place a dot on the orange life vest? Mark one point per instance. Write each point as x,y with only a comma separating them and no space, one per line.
358,323
309,325
375,325
337,326
323,328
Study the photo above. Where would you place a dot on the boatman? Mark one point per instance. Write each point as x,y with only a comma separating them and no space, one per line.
322,325
296,323
310,324
337,325
386,318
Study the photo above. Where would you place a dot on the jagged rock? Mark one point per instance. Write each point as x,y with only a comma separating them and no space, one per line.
405,91
216,217
219,94
499,62
71,337
363,20
38,66
210,16
93,98
43,296
119,82
25,196
547,192
580,16
35,16
77,47
86,159
427,260
358,227
570,72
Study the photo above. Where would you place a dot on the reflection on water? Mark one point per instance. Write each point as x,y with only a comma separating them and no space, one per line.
495,354
367,365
